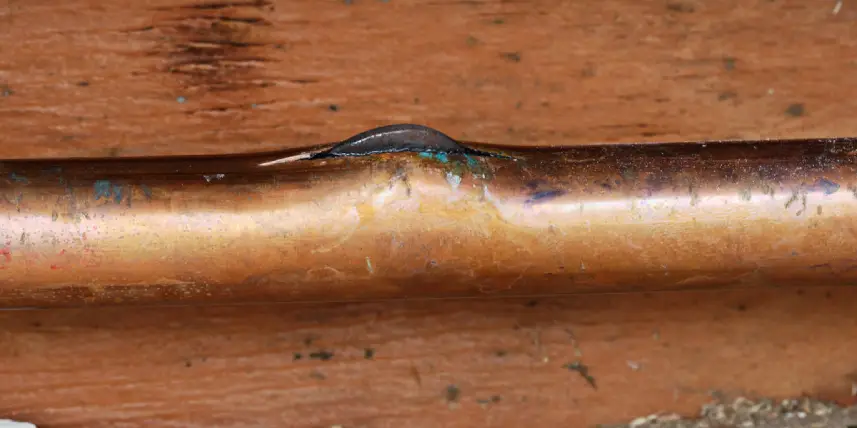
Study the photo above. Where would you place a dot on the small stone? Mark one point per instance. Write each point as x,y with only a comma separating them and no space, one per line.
788,405
742,402
820,409
806,405
639,422
747,413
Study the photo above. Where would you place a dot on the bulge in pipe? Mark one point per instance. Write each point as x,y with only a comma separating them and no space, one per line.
407,212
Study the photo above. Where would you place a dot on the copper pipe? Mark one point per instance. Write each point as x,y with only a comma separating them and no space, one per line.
405,211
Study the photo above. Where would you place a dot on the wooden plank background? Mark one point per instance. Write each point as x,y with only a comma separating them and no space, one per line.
425,364
106,77
114,78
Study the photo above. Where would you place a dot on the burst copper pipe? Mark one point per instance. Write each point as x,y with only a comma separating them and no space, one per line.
405,211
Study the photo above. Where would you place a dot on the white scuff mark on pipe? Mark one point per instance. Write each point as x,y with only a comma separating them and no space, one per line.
287,159
348,231
453,180
6,423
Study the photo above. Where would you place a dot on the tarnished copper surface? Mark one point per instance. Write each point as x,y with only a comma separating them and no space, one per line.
433,221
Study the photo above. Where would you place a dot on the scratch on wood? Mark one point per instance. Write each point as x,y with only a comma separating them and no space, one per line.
416,375
215,5
216,46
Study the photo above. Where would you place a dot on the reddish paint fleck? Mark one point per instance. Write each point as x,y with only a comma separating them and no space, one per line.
54,266
6,253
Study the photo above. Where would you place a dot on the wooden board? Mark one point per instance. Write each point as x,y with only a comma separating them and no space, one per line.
109,78
425,364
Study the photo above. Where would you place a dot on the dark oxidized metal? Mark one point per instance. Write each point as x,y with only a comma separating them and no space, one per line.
405,211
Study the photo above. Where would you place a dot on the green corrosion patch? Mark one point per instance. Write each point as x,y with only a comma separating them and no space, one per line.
457,166
826,186
441,157
104,189
147,191
18,178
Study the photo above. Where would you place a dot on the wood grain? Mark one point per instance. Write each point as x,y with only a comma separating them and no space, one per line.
96,78
424,364
114,78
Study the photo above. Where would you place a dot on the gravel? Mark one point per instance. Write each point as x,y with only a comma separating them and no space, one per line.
764,413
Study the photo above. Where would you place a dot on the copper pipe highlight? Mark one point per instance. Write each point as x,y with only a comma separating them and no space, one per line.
427,221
